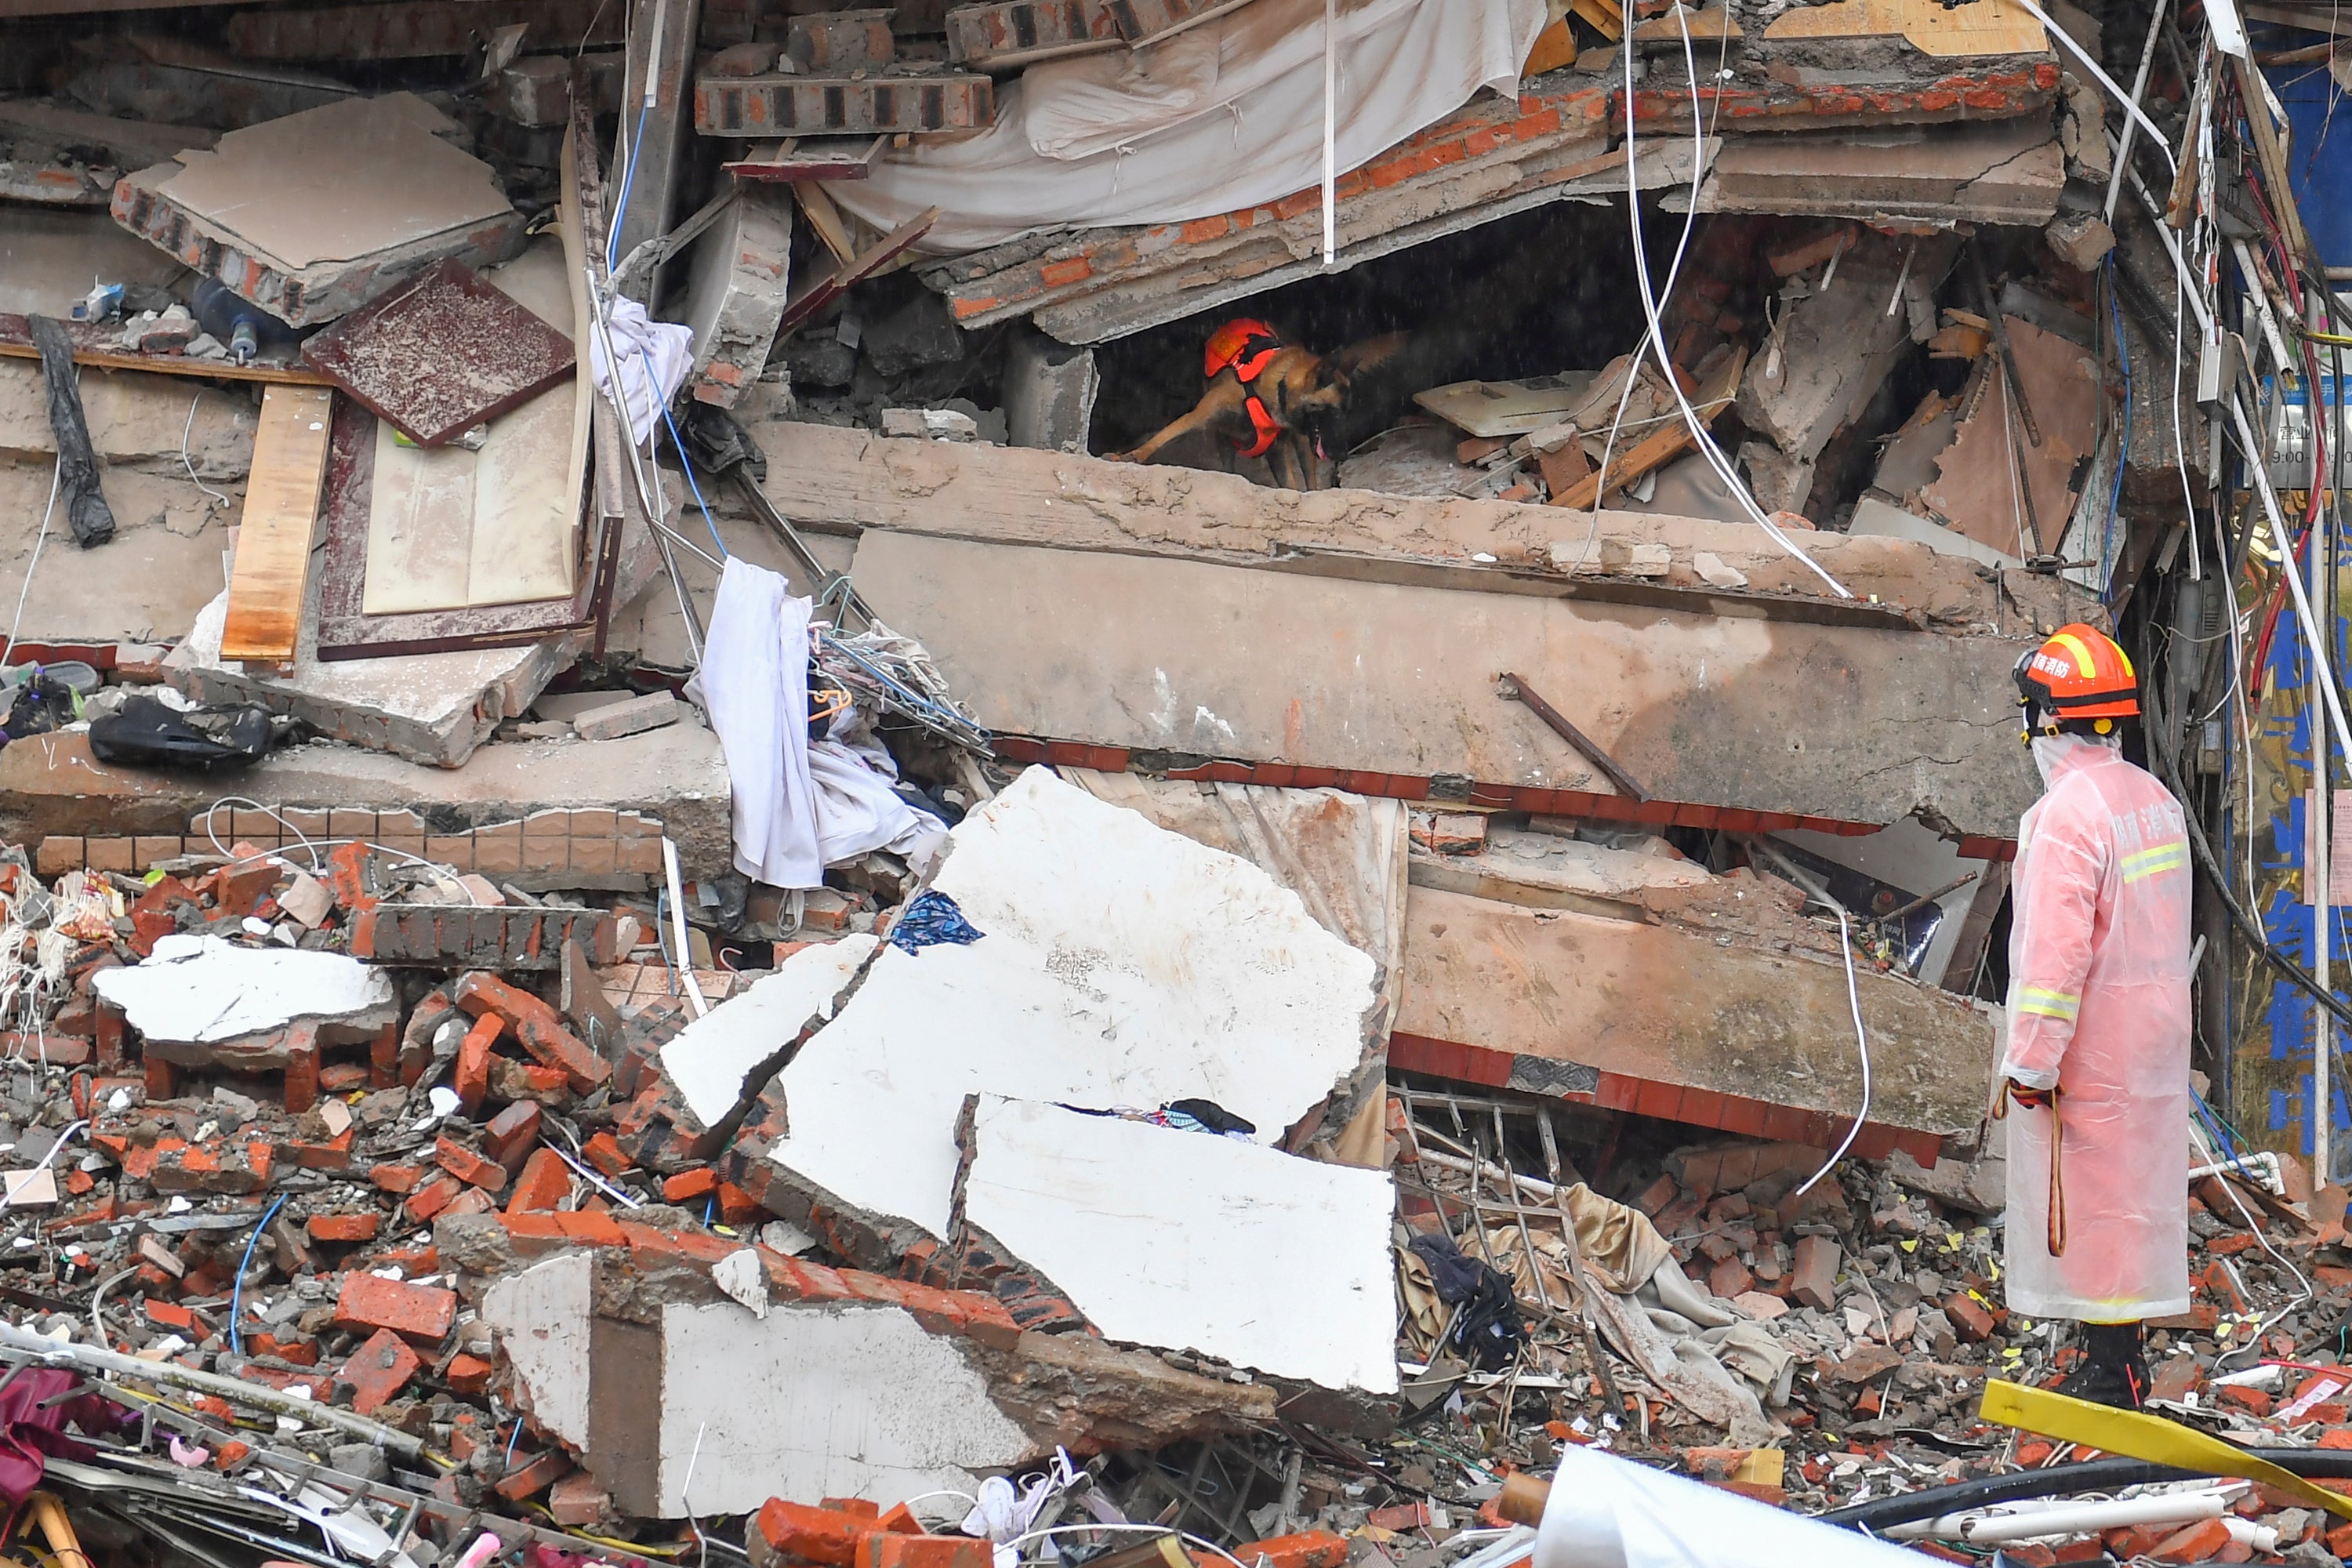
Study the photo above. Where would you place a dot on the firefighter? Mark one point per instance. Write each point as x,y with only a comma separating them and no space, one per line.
2094,1073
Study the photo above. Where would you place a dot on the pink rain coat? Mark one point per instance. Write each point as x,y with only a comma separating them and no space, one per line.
2098,1006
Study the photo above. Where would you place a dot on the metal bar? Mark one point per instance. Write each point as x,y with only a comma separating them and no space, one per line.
2000,341
1592,1352
1577,738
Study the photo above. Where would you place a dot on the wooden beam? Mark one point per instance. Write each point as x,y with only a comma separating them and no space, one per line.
16,342
1660,446
281,509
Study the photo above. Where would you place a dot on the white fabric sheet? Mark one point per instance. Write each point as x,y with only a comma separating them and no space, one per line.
1222,116
1607,1512
654,358
798,807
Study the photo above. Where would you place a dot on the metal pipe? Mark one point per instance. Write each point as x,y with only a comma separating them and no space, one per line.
255,1396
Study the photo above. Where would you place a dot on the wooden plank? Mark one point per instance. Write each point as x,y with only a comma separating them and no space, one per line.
822,158
281,507
826,218
1984,27
1656,448
835,279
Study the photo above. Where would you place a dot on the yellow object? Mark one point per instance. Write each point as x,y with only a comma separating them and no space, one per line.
1762,1467
1607,17
2136,1435
49,1514
1554,47
1990,27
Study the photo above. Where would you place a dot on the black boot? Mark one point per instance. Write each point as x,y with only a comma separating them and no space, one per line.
2114,1369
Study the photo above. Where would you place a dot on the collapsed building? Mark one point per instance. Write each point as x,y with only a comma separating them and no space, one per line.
699,860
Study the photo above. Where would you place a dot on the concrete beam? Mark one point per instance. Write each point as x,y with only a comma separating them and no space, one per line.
677,776
2005,172
1384,688
842,480
737,274
1677,1023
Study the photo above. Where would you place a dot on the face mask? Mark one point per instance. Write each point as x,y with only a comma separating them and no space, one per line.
2047,750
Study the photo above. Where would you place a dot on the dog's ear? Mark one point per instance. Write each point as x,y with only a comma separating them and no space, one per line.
1343,365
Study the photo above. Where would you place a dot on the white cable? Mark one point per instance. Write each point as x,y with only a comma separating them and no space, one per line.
2204,1143
187,426
1862,1044
2130,108
310,845
1651,305
56,475
1330,130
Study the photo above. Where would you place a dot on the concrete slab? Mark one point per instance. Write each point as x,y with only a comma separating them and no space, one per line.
429,708
1127,1219
164,562
199,989
738,273
540,1318
709,1057
1121,964
313,214
1540,996
1183,660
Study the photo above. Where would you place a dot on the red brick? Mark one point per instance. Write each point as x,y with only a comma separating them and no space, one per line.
511,1133
1730,1278
544,1183
419,1312
577,1500
889,1549
333,1154
425,1203
604,1151
591,1227
2197,1543
466,1374
2254,1400
783,1532
537,1027
1968,1316
169,1315
401,1179
1307,1548
1813,1276
472,1078
737,1206
344,1228
687,1185
469,1167
378,1371
298,1350
533,1476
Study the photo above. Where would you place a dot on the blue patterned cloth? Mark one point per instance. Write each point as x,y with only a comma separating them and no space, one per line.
931,918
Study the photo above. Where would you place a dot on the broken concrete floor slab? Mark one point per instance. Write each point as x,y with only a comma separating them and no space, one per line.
1130,1220
1121,964
710,1059
1706,711
1534,999
849,480
198,990
428,708
625,1348
313,214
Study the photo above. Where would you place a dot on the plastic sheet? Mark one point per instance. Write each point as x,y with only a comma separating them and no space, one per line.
2106,1021
1607,1512
1220,117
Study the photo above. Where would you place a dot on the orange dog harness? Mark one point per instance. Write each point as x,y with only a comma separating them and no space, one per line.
1247,347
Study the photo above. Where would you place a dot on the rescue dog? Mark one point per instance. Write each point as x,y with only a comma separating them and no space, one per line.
1272,399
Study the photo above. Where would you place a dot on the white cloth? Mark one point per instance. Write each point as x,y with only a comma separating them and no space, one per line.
654,358
798,807
753,684
1607,1512
1223,116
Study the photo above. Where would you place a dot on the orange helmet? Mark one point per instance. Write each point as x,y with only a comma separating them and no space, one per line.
2078,674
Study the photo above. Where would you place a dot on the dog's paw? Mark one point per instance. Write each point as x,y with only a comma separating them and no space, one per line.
1117,456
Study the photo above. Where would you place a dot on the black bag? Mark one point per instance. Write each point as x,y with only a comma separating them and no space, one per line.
146,735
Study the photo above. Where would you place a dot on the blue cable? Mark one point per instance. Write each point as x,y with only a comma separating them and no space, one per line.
2123,442
237,1291
629,176
687,463
512,1438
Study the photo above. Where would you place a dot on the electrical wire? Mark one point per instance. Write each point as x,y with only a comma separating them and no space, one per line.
1861,1044
1651,305
186,427
57,476
237,1291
